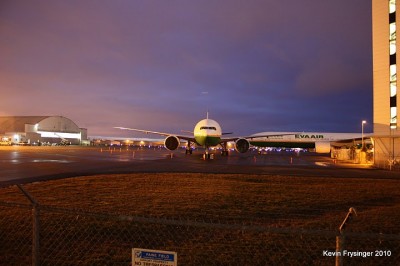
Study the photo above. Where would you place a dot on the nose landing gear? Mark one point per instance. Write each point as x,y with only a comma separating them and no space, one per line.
189,148
207,155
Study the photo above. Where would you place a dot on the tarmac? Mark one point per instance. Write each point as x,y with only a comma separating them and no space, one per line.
26,164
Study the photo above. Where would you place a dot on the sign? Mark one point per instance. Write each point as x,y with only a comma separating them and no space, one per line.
148,257
306,136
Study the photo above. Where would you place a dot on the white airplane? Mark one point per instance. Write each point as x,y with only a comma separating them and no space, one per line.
321,142
206,133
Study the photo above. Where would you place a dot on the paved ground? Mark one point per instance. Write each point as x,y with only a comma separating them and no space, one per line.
20,164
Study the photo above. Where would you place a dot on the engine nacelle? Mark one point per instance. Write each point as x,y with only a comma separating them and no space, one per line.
171,143
242,145
322,147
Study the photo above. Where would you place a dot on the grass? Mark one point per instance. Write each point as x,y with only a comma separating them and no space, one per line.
279,201
270,201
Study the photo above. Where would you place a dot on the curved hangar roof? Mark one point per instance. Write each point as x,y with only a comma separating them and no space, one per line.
41,123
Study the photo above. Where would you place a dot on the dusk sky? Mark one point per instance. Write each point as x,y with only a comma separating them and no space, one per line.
268,65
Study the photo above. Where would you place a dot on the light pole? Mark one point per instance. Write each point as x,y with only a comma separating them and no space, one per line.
362,134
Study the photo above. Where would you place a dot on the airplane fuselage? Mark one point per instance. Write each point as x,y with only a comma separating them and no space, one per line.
303,137
207,132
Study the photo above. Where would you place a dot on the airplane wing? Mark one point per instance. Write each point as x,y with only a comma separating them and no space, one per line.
270,135
188,138
256,136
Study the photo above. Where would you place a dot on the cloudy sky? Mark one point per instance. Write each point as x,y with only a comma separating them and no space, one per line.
267,65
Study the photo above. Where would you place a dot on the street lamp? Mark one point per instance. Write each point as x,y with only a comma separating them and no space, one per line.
362,134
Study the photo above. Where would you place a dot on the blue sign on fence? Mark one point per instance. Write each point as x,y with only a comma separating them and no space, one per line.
151,257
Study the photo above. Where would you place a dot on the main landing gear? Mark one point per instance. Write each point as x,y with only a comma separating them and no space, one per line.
210,156
224,151
189,148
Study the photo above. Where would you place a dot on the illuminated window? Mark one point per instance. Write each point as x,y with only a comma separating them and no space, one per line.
392,6
393,65
393,116
393,89
393,72
392,31
46,134
392,47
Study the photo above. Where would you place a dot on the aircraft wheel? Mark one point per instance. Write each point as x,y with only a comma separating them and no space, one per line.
207,156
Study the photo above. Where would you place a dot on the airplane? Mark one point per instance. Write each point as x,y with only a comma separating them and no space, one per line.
207,133
321,142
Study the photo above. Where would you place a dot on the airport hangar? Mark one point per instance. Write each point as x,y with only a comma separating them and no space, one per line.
40,129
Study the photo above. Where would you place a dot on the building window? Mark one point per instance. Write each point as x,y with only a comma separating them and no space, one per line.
392,6
393,65
393,87
393,117
392,17
393,59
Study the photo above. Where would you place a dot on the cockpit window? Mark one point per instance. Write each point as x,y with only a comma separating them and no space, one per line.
212,128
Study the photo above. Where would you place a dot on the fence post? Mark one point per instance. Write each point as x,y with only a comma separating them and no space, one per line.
35,227
35,235
340,239
339,249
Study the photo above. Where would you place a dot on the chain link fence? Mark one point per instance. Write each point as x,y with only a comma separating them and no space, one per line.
45,235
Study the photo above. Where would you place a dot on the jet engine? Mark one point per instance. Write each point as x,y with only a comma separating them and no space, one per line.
171,143
323,147
242,145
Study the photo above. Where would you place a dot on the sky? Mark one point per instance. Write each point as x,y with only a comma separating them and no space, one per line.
255,65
